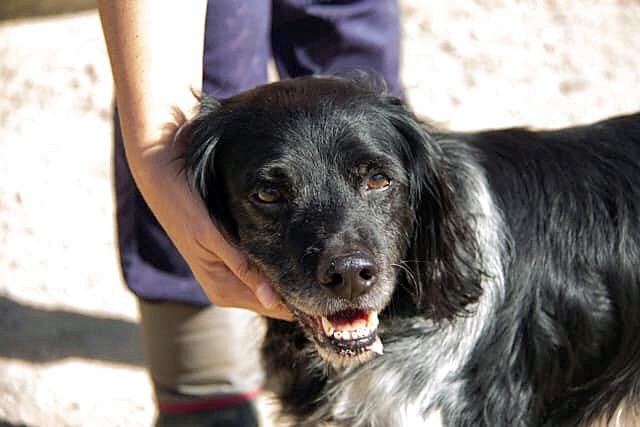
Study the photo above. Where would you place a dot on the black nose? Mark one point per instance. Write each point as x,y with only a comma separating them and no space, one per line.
349,276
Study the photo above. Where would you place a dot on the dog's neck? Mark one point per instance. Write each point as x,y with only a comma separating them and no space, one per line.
442,351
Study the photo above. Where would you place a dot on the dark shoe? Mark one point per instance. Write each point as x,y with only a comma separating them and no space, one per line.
242,415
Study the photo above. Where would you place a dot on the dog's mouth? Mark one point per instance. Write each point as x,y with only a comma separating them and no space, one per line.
345,337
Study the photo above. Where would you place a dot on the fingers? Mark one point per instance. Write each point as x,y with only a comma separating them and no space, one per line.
224,289
223,271
238,263
279,312
230,280
249,274
263,293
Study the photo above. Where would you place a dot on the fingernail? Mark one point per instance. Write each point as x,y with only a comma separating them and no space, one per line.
266,295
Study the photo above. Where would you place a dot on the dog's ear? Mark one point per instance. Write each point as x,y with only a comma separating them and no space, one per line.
443,251
202,135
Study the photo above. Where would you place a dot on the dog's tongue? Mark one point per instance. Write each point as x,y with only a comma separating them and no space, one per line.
354,324
349,319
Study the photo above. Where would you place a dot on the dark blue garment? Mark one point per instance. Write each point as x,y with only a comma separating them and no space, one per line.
304,37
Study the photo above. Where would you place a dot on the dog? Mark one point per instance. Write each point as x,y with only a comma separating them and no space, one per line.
436,278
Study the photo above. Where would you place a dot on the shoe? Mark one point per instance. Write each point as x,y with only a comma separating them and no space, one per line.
241,415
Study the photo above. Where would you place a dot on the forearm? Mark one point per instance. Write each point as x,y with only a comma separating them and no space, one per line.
155,48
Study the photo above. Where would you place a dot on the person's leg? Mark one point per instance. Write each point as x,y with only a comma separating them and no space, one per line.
237,46
203,363
336,37
203,360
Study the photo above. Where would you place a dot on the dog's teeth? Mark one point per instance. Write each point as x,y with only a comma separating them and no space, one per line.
347,334
376,347
327,326
372,320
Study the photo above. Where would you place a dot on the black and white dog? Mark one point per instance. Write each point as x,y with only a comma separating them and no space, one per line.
437,278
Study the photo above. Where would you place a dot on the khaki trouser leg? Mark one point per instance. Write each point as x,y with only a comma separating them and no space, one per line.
199,352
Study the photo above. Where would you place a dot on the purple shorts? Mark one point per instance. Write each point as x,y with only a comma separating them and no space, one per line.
304,37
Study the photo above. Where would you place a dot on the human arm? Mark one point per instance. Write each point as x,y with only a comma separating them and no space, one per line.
156,50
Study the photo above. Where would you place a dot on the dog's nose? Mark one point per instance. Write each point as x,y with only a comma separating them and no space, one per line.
349,276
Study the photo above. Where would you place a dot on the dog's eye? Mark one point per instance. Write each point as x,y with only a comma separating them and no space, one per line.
268,194
378,181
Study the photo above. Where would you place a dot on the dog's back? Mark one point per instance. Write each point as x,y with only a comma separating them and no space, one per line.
570,200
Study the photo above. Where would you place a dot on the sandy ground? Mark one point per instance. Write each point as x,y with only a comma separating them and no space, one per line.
69,351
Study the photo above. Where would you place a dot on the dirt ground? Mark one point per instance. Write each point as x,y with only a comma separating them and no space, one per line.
69,351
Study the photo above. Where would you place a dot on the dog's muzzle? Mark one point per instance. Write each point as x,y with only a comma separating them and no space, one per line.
346,337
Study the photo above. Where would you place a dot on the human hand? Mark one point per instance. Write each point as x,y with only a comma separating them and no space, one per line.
226,275
155,71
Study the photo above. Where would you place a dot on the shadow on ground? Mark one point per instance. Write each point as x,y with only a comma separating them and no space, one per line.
14,9
6,424
40,336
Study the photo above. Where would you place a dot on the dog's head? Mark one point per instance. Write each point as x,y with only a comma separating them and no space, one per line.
336,191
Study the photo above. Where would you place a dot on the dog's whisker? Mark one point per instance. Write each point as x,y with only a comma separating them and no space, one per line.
412,283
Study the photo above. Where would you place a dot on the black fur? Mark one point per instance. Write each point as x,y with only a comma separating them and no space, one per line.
508,261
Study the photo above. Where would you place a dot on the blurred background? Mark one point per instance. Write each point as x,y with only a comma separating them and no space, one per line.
69,351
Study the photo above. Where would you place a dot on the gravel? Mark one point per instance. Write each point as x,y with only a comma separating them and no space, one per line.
69,351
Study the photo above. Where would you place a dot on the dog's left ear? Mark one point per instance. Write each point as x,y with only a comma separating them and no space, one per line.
443,251
202,135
